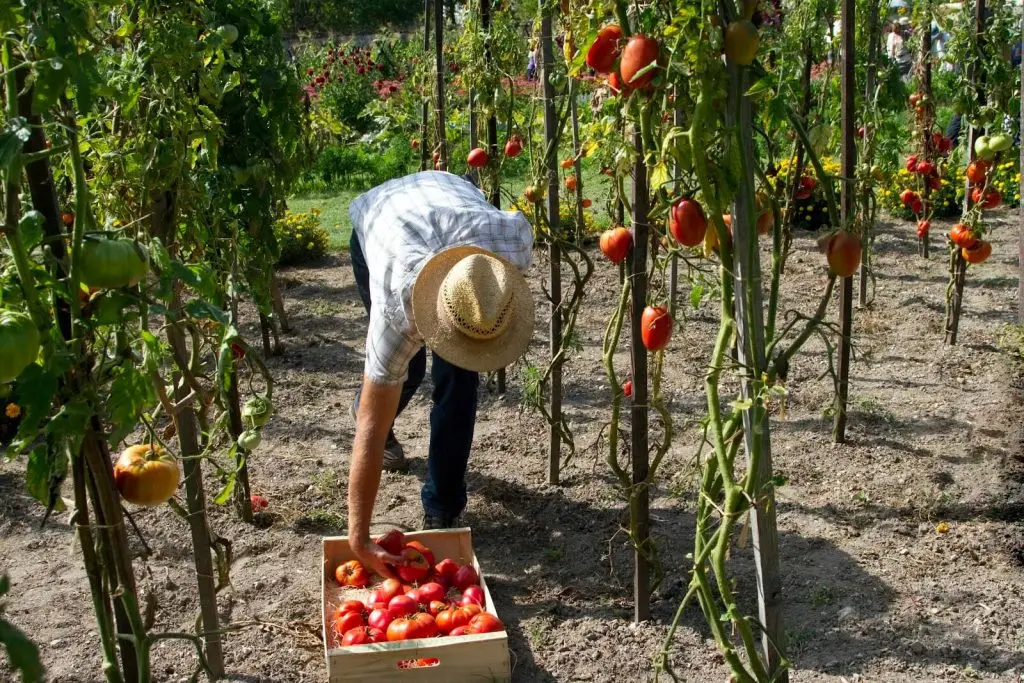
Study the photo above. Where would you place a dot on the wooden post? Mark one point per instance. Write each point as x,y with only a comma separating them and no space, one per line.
869,95
798,169
926,123
442,133
751,355
425,125
242,493
638,413
577,165
554,250
959,264
492,139
673,268
849,198
1020,230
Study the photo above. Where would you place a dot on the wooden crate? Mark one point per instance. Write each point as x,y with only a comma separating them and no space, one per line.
473,658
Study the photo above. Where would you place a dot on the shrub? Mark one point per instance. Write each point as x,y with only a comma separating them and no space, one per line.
300,237
358,166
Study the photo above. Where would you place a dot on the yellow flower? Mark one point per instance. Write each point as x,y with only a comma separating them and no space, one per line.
13,411
298,235
309,246
315,212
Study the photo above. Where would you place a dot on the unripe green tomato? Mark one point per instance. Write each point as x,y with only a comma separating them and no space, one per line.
250,439
228,33
983,148
1000,142
19,344
258,410
112,264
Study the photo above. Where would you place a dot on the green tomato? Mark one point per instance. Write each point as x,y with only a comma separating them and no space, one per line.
112,264
228,33
250,439
983,147
1000,142
258,410
19,344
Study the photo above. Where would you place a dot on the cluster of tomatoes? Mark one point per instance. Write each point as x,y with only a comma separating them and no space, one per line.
478,157
974,249
442,599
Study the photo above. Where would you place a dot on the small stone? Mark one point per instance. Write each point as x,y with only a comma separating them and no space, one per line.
847,614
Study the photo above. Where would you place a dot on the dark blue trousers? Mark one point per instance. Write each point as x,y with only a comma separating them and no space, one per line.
452,416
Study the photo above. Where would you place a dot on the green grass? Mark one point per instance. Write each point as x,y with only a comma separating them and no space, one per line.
333,216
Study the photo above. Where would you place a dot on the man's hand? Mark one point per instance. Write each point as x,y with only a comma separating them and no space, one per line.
376,558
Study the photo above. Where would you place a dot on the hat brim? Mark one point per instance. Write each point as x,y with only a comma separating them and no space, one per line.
447,341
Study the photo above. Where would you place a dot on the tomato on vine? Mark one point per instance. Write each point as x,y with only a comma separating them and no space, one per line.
655,327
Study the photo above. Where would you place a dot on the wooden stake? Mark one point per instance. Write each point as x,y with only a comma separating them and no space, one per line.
874,44
926,88
638,413
242,493
425,125
554,251
442,134
849,198
1020,230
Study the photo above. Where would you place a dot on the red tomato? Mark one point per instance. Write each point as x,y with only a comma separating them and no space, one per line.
454,617
923,227
640,52
237,351
393,541
687,222
990,200
587,203
473,595
976,172
935,183
459,631
485,622
68,218
445,570
604,50
401,605
513,147
363,636
411,627
616,85
430,592
436,606
477,158
627,388
379,618
568,163
415,143
427,661
351,606
427,552
843,253
415,566
616,243
979,253
860,132
570,183
466,577
258,502
346,621
962,236
912,163
655,327
909,197
806,187
925,167
352,573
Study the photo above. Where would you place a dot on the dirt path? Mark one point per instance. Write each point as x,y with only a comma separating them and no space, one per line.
873,592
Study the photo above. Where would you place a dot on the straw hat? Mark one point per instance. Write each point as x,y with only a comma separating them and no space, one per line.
473,308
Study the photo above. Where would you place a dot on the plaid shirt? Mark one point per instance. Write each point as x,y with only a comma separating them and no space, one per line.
400,226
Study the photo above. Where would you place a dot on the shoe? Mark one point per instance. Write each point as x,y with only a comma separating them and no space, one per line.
432,522
394,454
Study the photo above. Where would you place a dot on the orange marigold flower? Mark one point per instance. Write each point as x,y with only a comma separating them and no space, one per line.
13,411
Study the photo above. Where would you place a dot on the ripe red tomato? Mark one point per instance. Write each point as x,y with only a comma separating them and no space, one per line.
806,187
914,99
513,147
456,616
379,618
386,590
146,475
616,243
586,203
459,631
346,621
362,636
400,605
979,253
912,163
411,627
427,661
923,227
532,194
655,327
427,552
935,183
925,167
477,158
570,183
445,571
604,50
430,592
465,577
352,573
485,622
687,222
640,52
258,502
615,83
473,595
351,606
741,42
414,566
861,132
627,388
436,607
68,218
990,200
976,172
843,253
415,143
568,163
962,236
393,542
909,197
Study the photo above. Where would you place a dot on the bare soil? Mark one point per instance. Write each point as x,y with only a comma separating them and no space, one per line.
873,592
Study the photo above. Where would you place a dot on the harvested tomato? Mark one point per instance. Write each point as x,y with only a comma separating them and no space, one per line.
424,550
112,264
352,573
604,50
363,636
640,54
977,171
962,236
513,147
459,631
258,503
412,626
570,183
616,243
379,618
430,592
979,253
655,328
477,158
386,590
687,222
146,475
346,621
466,576
19,344
485,622
473,595
456,616
393,542
627,388
990,200
436,607
427,661
445,571
741,42
401,605
843,253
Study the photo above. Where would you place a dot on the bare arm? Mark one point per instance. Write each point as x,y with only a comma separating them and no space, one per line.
378,405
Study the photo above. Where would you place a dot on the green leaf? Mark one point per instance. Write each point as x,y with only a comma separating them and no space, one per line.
14,136
36,390
131,394
760,89
44,475
696,294
742,404
22,652
224,495
203,310
51,80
